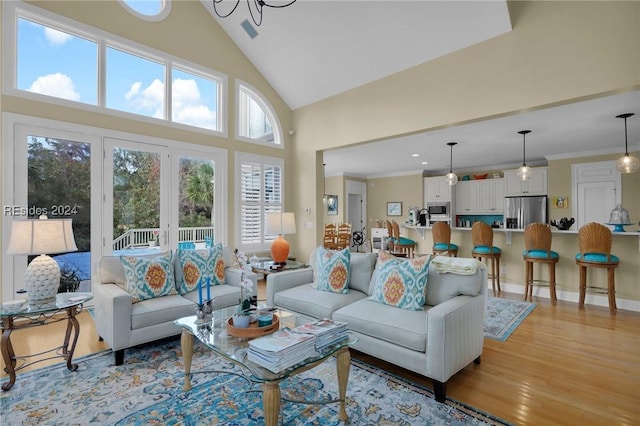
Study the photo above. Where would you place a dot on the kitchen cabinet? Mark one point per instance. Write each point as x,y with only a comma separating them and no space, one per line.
466,197
491,196
535,185
436,189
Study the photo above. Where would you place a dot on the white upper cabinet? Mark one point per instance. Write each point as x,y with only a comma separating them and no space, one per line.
480,196
535,185
467,197
436,189
491,196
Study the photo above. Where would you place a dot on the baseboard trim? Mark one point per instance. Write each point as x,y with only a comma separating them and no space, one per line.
568,296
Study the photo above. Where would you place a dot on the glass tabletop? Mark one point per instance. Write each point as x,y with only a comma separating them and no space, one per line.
61,301
213,334
270,266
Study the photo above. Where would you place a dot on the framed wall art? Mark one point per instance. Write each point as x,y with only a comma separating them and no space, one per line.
332,205
394,208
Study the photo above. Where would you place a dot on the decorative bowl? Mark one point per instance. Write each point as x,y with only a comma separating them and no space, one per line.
480,177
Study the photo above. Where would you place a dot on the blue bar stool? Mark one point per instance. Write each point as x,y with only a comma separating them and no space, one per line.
594,240
537,243
441,232
482,236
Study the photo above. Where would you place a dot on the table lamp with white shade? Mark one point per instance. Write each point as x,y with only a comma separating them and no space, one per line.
280,224
41,237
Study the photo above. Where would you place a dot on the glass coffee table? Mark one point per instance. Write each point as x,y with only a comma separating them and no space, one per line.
213,334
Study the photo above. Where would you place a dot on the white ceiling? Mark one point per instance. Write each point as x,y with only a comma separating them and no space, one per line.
315,49
578,129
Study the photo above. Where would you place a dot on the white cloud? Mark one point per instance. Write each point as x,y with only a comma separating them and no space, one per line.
58,85
148,101
56,37
188,106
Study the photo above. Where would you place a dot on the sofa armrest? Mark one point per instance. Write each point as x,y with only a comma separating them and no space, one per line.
113,307
455,335
287,279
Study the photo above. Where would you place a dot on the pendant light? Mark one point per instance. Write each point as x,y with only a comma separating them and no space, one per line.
451,178
524,172
627,163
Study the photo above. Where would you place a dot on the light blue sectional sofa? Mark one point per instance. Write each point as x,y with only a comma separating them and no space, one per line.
437,342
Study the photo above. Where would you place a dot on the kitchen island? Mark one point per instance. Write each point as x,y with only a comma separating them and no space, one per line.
626,245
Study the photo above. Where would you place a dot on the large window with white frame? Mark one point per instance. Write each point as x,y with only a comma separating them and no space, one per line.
261,190
256,118
54,59
125,192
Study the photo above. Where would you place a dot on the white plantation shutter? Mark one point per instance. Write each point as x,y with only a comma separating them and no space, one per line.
261,190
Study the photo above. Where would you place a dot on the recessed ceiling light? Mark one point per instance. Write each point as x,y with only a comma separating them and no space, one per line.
424,163
415,155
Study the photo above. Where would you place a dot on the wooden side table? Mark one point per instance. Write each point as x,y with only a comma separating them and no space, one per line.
65,306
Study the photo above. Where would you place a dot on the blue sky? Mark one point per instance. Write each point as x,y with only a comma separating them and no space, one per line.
59,64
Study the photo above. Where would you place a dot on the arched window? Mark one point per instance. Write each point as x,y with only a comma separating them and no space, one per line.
149,10
256,120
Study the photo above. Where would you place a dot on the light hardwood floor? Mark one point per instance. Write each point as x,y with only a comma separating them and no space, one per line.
560,366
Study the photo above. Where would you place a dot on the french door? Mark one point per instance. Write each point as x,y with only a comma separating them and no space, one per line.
136,196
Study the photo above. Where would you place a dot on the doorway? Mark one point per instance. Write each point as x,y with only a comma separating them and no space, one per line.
595,191
356,209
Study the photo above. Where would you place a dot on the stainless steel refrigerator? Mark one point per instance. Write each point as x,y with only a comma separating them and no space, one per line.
521,211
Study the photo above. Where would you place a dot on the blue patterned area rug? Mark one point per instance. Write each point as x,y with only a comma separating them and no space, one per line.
147,389
503,316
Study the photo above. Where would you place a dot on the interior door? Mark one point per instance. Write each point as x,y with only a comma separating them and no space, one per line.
136,196
595,191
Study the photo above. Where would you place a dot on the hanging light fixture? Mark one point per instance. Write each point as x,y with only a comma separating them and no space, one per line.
627,163
451,178
256,15
524,172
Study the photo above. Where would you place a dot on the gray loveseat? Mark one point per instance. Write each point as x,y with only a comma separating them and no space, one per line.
436,342
123,324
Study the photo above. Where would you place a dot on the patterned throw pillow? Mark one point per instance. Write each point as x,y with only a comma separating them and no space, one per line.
401,282
149,277
197,264
332,270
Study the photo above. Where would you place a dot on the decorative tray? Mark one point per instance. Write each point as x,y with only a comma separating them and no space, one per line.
253,330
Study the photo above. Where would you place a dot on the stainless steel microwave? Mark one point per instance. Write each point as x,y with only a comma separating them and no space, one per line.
439,210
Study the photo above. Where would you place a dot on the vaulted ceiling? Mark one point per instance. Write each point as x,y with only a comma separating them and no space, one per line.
315,49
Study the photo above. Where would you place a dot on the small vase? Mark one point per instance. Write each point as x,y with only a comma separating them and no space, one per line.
241,321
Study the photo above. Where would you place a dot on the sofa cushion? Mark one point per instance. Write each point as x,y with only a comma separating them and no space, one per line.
193,265
151,312
309,301
149,278
222,295
361,264
445,286
400,327
333,267
401,282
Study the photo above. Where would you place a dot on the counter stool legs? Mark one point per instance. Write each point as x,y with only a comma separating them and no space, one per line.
495,270
528,280
611,287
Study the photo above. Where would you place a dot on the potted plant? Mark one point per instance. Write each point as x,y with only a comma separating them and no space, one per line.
242,317
155,239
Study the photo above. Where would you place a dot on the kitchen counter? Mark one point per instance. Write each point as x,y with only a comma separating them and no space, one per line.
507,232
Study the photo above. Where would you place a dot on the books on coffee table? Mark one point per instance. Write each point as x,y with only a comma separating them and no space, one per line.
281,350
327,332
288,347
